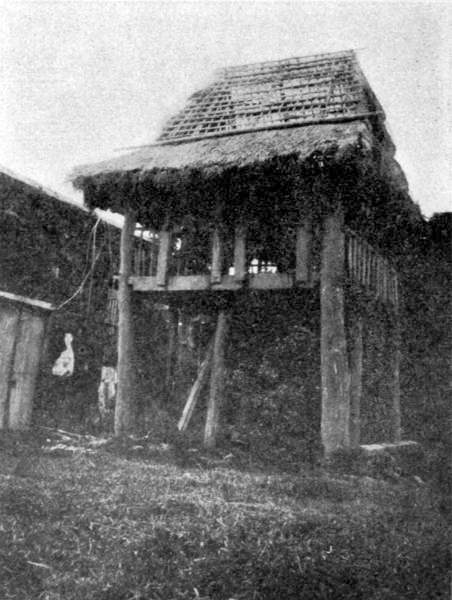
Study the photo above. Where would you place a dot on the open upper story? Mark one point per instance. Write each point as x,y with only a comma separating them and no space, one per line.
233,192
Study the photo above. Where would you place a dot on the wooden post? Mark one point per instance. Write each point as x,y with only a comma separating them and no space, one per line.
349,249
153,257
240,267
163,257
333,347
364,264
358,261
171,356
303,252
9,326
216,381
124,409
385,281
378,276
217,258
356,375
30,337
368,266
396,421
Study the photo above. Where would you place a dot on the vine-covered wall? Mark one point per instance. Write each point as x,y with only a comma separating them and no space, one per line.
60,253
48,246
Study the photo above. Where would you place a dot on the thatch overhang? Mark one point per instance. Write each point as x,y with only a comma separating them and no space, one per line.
168,173
212,156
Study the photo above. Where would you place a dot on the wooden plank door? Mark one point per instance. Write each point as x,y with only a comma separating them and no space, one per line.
9,320
27,355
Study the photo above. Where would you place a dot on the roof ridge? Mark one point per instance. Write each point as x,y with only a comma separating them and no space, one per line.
306,58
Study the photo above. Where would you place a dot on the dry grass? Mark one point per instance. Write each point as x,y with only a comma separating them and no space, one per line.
98,526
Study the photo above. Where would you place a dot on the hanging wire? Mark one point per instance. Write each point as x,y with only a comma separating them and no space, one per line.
94,259
93,262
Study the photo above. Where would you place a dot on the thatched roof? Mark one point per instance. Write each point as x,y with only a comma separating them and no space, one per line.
252,113
294,123
220,153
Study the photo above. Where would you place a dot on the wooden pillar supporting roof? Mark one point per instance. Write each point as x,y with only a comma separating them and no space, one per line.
217,257
333,349
124,409
216,381
303,252
240,266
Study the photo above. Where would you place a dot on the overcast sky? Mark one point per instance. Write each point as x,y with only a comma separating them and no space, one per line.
79,80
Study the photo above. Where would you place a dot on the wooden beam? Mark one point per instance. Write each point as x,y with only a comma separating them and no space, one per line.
163,257
303,252
216,381
124,408
333,347
356,384
270,281
196,390
24,300
240,267
217,257
199,283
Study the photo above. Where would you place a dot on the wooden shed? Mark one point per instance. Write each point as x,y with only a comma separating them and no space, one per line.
23,323
278,176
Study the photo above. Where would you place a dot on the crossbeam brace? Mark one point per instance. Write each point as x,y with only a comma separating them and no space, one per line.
199,283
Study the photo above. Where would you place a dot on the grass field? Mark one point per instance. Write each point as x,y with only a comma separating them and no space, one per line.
102,523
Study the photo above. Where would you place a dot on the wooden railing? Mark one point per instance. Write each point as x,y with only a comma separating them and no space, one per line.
146,245
368,269
227,264
156,265
111,316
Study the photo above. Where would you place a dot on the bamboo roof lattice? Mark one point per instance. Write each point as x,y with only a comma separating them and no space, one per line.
273,94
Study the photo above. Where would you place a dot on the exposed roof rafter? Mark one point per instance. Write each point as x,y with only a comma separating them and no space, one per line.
275,94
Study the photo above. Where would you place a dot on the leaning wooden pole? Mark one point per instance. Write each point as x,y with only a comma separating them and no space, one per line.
195,390
216,381
124,409
333,347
